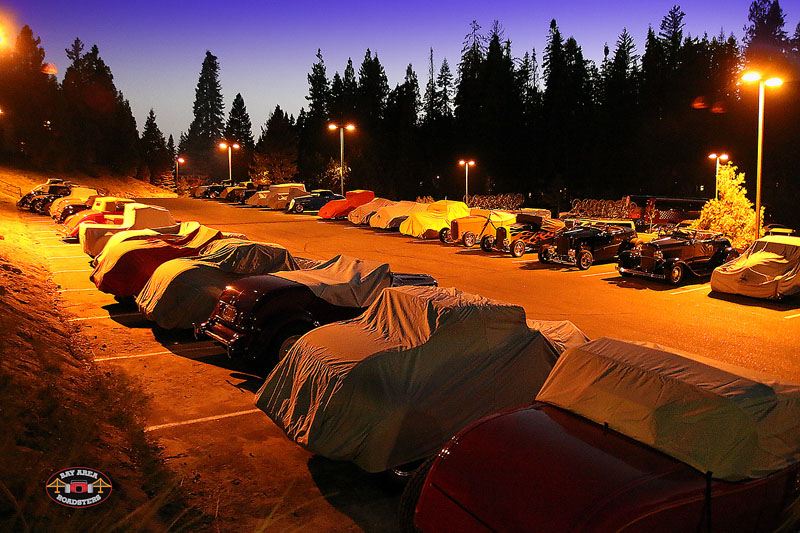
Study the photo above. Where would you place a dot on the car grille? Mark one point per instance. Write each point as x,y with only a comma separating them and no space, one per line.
227,312
562,245
501,234
454,226
647,261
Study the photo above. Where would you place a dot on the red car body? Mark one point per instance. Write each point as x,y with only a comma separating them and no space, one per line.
542,468
105,210
342,208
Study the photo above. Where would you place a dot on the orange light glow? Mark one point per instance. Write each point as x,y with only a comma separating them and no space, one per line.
181,160
333,127
712,156
235,146
49,68
723,157
223,146
349,127
774,82
751,76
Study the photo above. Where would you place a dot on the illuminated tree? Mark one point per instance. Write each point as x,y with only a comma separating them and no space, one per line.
732,214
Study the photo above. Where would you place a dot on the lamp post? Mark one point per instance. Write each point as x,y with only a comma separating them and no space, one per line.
771,82
348,127
177,163
466,164
720,157
226,146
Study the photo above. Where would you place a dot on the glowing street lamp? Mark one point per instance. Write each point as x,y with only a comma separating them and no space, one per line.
177,163
226,146
466,165
771,82
720,157
348,127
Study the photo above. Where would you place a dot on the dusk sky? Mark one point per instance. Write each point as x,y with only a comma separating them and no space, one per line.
266,49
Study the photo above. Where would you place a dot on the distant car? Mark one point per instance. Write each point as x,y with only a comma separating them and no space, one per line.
277,195
392,386
260,317
528,234
312,201
428,224
240,196
93,237
623,437
77,196
362,214
104,210
582,246
480,226
337,209
72,208
46,192
182,292
671,258
392,216
215,189
769,268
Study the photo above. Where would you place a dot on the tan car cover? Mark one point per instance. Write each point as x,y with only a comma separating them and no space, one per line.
183,292
393,215
93,237
344,281
276,196
394,384
360,214
770,268
427,224
718,418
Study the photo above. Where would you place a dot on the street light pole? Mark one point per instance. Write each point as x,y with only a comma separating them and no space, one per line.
227,146
466,165
348,127
177,163
723,157
772,82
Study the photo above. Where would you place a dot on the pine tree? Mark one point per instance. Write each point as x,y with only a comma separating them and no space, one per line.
765,39
671,35
206,128
468,98
171,150
318,90
373,89
444,91
153,149
429,100
275,156
239,129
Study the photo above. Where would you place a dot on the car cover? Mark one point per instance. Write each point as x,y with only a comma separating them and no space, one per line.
104,210
276,194
344,281
392,216
183,292
427,224
769,268
179,232
93,237
124,268
718,418
342,208
394,384
362,213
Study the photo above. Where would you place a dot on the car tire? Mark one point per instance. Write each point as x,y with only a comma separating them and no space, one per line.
585,259
676,274
517,248
487,243
281,343
411,494
444,235
298,208
544,254
469,239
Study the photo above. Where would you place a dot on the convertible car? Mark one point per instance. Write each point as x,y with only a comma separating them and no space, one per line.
391,216
46,192
341,208
278,195
183,292
124,268
312,201
393,385
362,214
77,196
261,317
93,237
104,210
528,234
480,226
673,257
438,216
623,437
769,268
583,245
73,208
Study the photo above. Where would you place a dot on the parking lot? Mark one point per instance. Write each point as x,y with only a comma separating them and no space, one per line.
236,463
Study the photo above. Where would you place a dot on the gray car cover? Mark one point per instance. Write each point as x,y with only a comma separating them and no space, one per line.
394,384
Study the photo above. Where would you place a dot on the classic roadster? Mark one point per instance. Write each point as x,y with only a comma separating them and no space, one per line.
673,257
260,317
584,245
77,196
480,226
526,235
393,385
46,192
104,210
625,437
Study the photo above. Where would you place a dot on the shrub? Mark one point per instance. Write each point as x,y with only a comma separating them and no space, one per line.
732,214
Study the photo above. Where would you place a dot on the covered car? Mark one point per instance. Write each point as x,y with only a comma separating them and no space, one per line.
183,292
312,201
342,208
124,268
259,318
438,216
93,237
391,216
278,195
625,437
480,226
362,214
104,210
769,268
393,385
77,195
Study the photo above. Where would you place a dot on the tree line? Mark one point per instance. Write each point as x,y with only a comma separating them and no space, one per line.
552,126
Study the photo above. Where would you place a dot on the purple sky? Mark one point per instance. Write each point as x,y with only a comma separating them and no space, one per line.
266,49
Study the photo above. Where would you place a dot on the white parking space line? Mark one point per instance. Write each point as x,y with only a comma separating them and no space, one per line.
200,420
71,257
65,271
526,261
165,352
76,290
792,316
44,231
684,291
350,227
60,245
599,274
102,316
